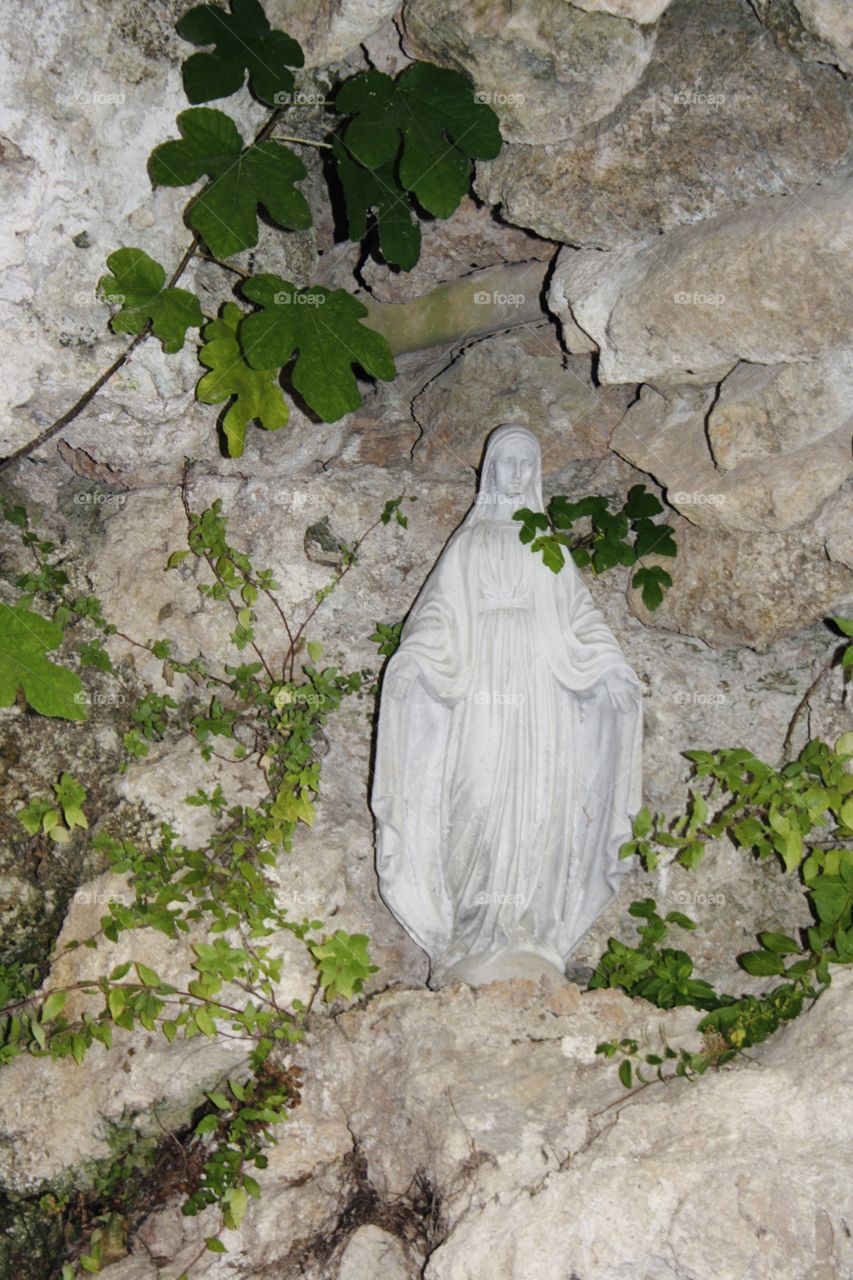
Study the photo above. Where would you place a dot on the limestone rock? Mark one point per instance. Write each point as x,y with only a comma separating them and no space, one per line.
746,588
472,239
524,1171
766,410
548,69
517,377
770,489
766,284
817,30
636,10
332,33
754,1193
719,118
832,22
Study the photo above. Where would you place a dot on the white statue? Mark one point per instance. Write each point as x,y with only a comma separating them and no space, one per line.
508,752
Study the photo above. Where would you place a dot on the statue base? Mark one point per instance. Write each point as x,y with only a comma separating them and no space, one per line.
477,970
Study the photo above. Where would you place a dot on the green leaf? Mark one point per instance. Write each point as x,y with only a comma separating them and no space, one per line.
25,638
641,504
243,41
257,395
552,553
53,1005
374,197
138,285
651,581
225,212
207,1124
654,539
236,1202
762,964
205,1022
845,625
117,1001
146,975
625,1072
781,943
428,121
214,1245
323,325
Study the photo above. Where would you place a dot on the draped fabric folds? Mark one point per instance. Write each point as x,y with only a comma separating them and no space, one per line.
505,775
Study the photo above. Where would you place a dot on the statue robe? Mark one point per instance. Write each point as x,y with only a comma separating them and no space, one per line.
504,779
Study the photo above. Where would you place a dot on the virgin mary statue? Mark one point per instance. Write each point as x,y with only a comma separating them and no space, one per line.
508,753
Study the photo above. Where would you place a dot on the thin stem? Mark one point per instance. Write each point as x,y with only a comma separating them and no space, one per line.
213,569
306,142
803,703
340,575
226,266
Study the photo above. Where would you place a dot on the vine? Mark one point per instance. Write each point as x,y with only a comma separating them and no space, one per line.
219,896
399,149
799,814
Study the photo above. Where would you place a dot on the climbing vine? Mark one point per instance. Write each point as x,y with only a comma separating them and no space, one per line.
399,149
798,814
265,708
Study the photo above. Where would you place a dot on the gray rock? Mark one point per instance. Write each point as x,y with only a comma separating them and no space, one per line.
754,1193
719,118
636,10
547,69
767,488
332,33
518,377
817,30
746,588
765,410
766,284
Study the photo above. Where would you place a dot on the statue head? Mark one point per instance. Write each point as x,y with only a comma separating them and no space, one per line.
511,475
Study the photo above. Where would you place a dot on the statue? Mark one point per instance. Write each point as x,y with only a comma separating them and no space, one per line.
508,752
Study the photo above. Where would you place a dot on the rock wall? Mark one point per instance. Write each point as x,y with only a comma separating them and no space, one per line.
683,168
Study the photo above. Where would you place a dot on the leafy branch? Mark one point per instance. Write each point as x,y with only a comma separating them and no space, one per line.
624,535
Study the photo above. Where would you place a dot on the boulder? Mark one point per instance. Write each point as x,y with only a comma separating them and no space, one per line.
765,489
763,411
766,284
548,69
718,118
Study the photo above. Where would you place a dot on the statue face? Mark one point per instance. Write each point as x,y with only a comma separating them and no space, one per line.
513,470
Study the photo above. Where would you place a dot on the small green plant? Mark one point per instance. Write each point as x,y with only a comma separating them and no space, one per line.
48,816
386,637
661,975
615,536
